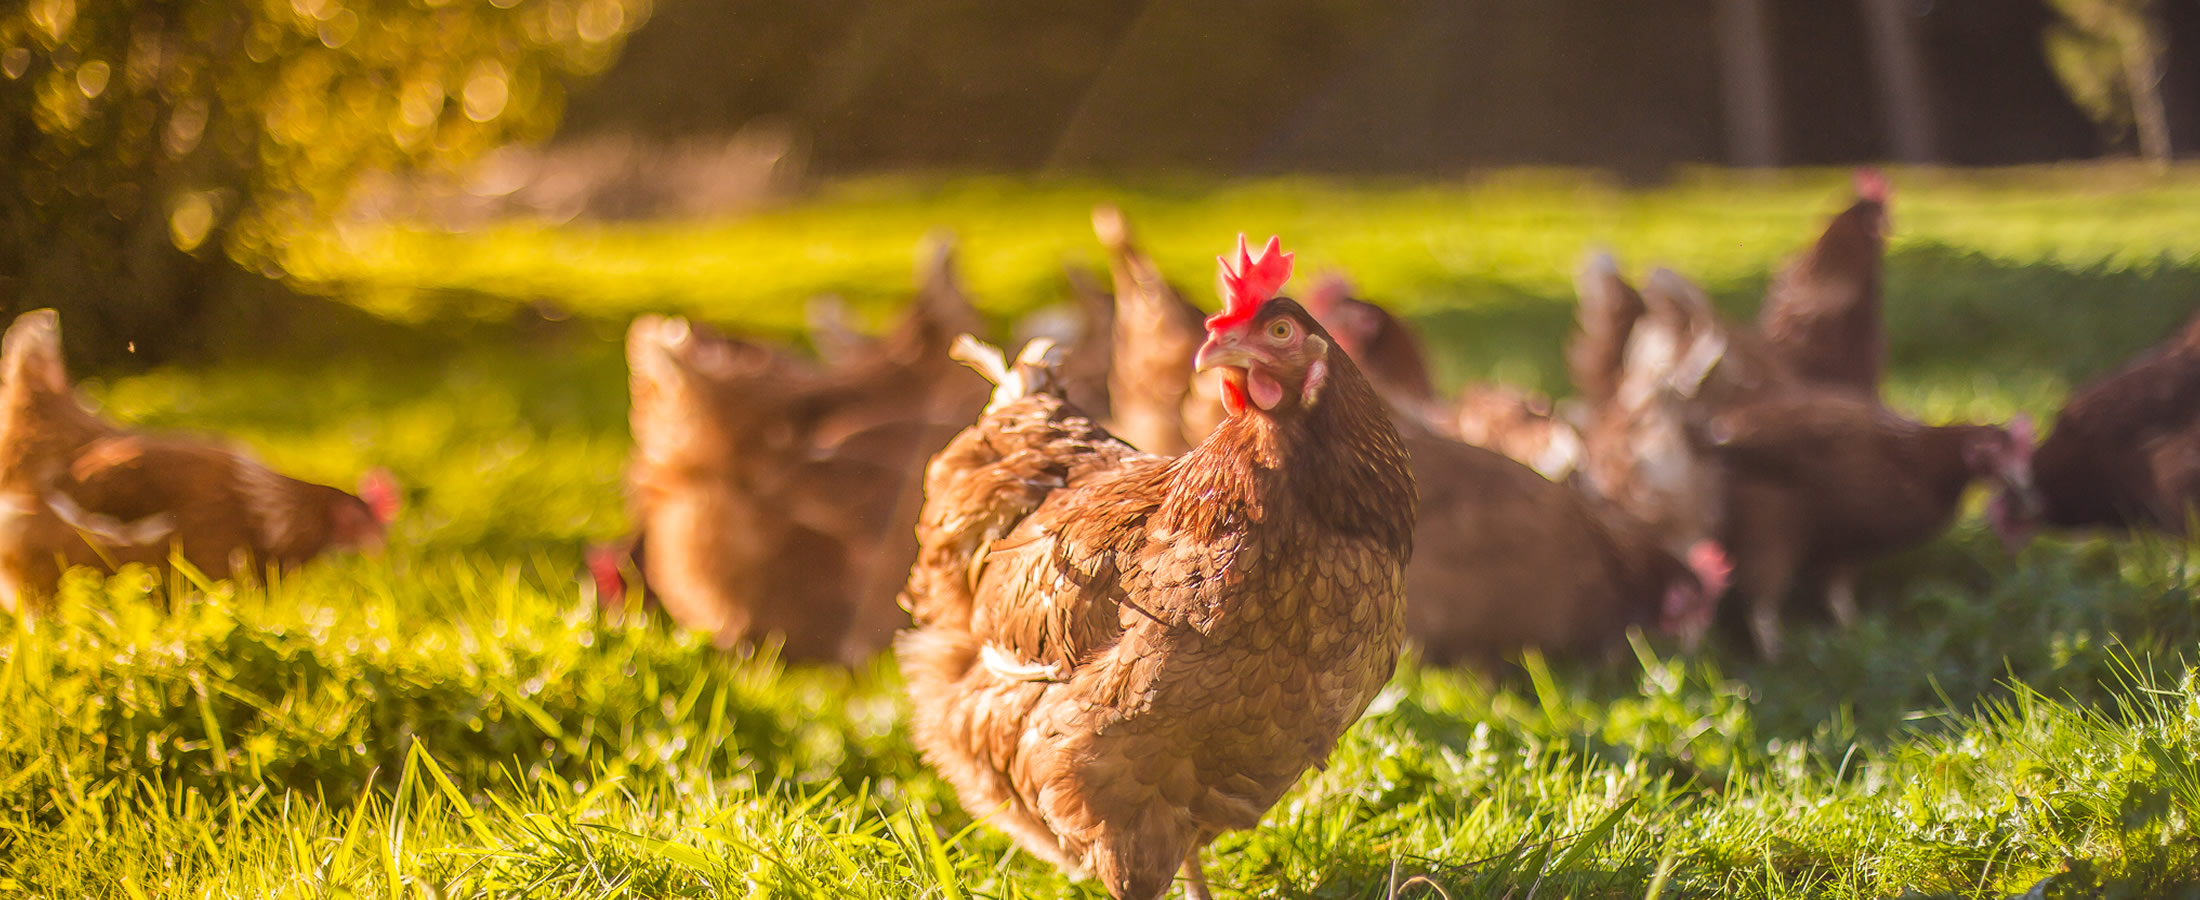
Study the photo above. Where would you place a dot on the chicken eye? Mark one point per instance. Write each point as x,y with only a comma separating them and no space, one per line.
1280,330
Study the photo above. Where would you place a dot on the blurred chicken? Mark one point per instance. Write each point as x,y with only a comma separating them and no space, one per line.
1506,560
1118,656
1604,320
1160,404
79,491
906,375
1385,347
1680,357
2125,452
1822,315
1519,424
1822,480
1085,333
751,530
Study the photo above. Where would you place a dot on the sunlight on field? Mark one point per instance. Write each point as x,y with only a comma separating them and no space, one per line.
455,718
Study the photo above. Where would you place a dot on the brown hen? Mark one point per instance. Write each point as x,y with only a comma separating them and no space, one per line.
2125,452
78,491
1118,656
1822,480
1160,404
1507,560
752,530
1822,315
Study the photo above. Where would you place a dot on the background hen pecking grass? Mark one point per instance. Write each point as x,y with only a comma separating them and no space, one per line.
452,720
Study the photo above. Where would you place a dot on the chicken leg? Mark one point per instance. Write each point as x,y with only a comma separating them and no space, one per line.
1841,597
1195,879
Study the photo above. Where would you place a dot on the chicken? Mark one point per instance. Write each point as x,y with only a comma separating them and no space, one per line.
2123,452
79,491
1822,315
1604,321
1520,425
1506,560
1118,655
1085,332
906,374
752,532
1160,405
1637,454
1386,349
1822,480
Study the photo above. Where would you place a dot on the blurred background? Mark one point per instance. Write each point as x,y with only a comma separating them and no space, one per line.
169,156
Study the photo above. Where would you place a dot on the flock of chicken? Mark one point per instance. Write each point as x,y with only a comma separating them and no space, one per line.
1148,575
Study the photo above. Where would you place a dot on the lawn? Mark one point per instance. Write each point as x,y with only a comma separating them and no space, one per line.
454,719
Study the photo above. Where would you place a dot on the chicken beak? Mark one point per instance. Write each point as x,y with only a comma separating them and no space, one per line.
1221,350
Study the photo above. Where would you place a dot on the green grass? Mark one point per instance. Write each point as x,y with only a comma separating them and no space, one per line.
455,720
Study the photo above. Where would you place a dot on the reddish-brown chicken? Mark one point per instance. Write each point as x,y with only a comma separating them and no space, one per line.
1505,560
2125,452
78,491
1160,405
1637,454
1822,480
1822,315
1119,656
1604,321
751,531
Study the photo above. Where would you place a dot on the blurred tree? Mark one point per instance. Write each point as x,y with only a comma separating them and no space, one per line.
162,151
2109,53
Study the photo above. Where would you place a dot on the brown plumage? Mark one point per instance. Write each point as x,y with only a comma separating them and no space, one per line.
1822,480
79,491
1519,424
1086,335
1680,357
1822,315
1383,345
2125,452
1505,560
754,528
1159,404
1119,656
1603,322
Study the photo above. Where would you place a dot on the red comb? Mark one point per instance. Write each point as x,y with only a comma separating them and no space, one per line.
1249,281
379,489
1871,184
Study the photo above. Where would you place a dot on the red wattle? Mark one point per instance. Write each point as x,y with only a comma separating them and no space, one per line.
1233,397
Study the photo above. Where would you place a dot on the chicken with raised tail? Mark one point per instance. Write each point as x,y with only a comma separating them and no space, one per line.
76,490
2125,452
1159,404
1118,656
1822,315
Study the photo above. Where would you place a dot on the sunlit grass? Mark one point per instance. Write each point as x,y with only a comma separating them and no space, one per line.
456,719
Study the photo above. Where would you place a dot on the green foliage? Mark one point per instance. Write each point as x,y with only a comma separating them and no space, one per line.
2092,50
456,719
149,139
